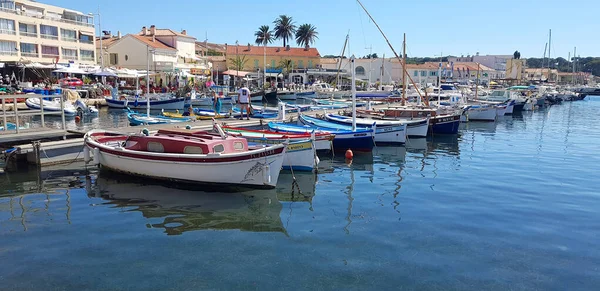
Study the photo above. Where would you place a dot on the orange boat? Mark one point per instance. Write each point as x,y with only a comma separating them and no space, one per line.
12,100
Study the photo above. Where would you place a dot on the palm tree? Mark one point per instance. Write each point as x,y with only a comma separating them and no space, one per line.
306,35
238,63
284,28
286,66
263,35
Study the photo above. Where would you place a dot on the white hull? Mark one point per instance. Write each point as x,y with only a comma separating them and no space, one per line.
481,113
141,104
501,110
247,172
304,159
51,106
417,130
391,134
528,106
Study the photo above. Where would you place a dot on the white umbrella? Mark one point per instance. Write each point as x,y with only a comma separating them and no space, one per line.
71,70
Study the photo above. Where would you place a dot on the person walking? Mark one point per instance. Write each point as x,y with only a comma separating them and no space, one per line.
217,102
244,102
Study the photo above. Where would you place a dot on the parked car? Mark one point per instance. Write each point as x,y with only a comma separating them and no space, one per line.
70,82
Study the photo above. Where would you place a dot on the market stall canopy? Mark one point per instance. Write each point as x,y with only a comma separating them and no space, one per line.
71,70
42,66
105,73
236,73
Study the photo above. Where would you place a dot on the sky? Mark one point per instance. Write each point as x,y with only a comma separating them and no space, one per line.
432,27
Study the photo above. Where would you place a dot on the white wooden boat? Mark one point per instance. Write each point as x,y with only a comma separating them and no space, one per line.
322,139
190,157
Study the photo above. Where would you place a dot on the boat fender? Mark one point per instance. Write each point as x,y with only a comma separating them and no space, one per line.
86,154
122,98
188,127
145,132
96,157
266,174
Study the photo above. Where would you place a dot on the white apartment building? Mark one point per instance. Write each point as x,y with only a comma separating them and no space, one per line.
496,62
164,49
36,32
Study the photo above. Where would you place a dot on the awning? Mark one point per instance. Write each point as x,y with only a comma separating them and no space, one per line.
235,73
71,70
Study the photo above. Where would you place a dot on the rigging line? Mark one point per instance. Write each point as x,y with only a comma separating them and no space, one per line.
361,25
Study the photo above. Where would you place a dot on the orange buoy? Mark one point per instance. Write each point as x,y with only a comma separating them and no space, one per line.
349,154
77,118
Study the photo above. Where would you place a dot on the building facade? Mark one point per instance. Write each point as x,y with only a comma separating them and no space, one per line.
252,57
496,62
36,32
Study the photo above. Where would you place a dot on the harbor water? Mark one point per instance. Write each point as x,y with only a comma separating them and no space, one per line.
510,205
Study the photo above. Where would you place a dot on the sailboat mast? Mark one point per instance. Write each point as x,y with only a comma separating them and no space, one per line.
574,59
477,81
403,71
549,50
352,67
148,80
337,76
382,68
391,47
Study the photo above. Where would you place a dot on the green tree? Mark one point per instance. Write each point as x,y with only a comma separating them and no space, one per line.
286,66
263,35
306,35
284,28
238,63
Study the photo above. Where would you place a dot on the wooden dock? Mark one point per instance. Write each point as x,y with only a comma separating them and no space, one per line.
10,138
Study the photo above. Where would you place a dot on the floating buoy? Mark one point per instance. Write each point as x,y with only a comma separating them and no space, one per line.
349,154
188,127
77,118
145,132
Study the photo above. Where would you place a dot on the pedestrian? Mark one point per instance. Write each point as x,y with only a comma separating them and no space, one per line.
217,103
244,101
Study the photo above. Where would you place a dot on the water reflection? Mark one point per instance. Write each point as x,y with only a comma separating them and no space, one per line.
179,211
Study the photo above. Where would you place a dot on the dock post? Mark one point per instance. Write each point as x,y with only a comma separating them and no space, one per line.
4,112
16,115
36,150
42,109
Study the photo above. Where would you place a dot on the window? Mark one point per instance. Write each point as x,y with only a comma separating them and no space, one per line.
68,35
423,73
49,51
10,5
114,59
26,29
7,26
432,73
238,146
416,73
8,48
255,64
29,50
359,70
155,147
192,150
300,64
219,148
48,32
86,55
84,38
69,54
310,64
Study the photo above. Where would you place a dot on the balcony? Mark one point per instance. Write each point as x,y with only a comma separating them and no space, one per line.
8,31
50,56
49,36
69,39
30,54
28,34
37,15
8,53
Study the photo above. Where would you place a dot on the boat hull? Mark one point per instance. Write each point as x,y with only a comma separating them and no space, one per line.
448,124
501,110
417,129
393,132
260,169
170,104
51,106
481,114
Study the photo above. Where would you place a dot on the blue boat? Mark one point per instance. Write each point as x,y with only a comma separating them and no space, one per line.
359,140
12,126
444,124
258,113
143,119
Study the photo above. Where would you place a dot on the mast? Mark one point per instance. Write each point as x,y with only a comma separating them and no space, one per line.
549,50
574,59
352,65
390,45
370,66
403,72
382,68
477,81
337,76
148,80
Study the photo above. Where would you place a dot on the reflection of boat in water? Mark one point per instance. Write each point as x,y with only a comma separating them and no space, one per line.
390,154
444,145
184,210
489,127
304,192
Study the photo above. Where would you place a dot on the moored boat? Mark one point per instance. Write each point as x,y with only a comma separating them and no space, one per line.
177,103
199,157
358,140
51,106
386,131
143,119
322,139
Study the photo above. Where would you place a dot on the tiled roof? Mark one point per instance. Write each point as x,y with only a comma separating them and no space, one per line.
272,51
148,40
211,46
166,32
106,41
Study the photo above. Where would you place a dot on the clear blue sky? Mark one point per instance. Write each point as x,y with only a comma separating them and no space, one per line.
432,27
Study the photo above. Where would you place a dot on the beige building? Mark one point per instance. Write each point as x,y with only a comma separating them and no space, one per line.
36,32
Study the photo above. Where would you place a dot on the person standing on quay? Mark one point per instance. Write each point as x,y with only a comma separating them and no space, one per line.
217,102
244,101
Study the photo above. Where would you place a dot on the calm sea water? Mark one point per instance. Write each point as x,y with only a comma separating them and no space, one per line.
511,205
